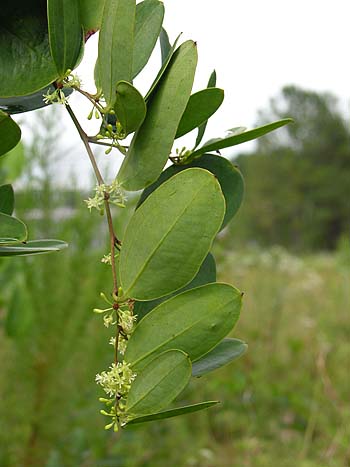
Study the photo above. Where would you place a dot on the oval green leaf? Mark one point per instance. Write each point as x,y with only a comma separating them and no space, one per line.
201,106
203,127
91,14
169,236
148,24
130,108
34,247
163,68
12,163
229,177
205,275
172,412
159,383
10,133
26,65
194,321
65,33
240,138
226,352
12,230
152,143
165,45
7,199
115,46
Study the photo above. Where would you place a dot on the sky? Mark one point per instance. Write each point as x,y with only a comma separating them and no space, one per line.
256,47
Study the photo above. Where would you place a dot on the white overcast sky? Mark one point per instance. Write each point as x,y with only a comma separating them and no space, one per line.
256,47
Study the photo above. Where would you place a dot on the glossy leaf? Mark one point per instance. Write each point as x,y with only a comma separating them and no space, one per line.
194,321
34,247
229,177
148,24
226,352
130,108
11,229
24,69
10,133
201,106
169,236
172,412
202,128
152,143
91,14
158,384
162,70
233,140
65,33
12,163
205,275
7,199
165,46
115,47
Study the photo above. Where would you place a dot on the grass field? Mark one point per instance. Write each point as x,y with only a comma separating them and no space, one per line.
283,404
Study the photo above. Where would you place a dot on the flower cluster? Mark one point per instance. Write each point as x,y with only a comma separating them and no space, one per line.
116,381
113,193
55,97
182,155
107,259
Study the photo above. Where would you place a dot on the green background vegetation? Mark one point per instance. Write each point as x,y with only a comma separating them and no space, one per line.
285,402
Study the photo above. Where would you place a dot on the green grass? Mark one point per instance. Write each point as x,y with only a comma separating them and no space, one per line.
285,403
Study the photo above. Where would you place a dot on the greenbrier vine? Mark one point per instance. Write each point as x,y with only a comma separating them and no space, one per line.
169,315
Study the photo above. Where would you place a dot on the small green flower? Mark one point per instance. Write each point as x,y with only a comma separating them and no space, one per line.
117,380
55,97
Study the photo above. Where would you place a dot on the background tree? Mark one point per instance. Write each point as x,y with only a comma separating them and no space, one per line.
298,179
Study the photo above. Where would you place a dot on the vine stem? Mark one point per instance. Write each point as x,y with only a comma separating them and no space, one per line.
113,238
89,97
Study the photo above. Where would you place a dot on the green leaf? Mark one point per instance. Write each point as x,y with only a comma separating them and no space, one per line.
12,163
20,104
7,199
26,65
229,177
165,46
91,14
233,140
12,230
130,108
194,321
202,128
34,247
172,413
65,33
159,383
10,133
201,106
227,351
148,24
169,236
165,64
152,143
205,275
115,46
